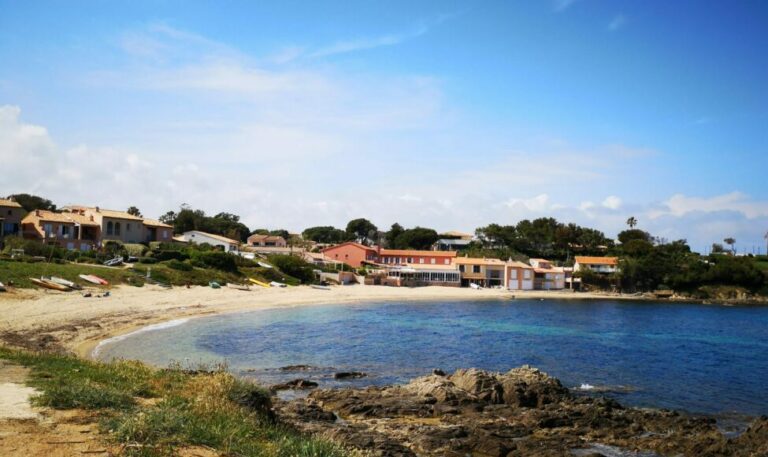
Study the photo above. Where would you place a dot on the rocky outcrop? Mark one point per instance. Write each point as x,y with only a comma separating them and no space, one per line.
523,412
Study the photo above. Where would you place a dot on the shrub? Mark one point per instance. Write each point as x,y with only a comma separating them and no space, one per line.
147,260
135,250
170,255
214,259
179,265
294,266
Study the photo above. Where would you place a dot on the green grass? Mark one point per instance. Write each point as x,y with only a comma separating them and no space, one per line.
182,408
761,262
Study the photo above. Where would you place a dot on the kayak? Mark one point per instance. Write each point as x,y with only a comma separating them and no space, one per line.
259,283
49,284
238,286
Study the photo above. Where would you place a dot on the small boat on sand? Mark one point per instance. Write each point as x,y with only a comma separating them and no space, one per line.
63,282
214,285
2,287
277,284
93,279
46,284
232,285
259,283
321,287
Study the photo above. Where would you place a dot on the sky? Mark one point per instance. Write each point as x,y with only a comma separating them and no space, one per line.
447,114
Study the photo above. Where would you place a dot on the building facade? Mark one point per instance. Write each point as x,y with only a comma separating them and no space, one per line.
10,218
600,265
271,241
70,231
198,237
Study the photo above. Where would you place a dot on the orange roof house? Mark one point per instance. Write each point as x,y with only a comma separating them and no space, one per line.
602,265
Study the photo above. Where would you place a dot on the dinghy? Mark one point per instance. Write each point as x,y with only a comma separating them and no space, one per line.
63,282
49,284
2,287
277,284
90,279
214,285
317,286
259,283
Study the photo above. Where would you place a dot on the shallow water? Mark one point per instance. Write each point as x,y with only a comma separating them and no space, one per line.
702,359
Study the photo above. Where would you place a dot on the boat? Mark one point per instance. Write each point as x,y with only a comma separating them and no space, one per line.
90,279
49,284
214,285
318,286
475,286
114,262
277,284
64,282
259,283
232,285
2,287
264,265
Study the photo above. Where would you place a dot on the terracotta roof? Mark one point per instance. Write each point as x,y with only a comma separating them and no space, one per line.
9,203
478,261
106,212
597,260
348,243
517,264
549,270
416,253
48,216
259,237
214,236
155,223
82,220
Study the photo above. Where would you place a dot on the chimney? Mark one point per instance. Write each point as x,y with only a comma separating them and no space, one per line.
97,209
37,212
91,217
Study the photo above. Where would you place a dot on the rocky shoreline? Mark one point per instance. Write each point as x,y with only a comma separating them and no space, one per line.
523,412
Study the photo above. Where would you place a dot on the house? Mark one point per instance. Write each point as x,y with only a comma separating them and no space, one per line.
352,253
414,257
155,230
483,272
71,231
10,218
198,237
547,276
600,265
114,225
519,276
450,244
267,241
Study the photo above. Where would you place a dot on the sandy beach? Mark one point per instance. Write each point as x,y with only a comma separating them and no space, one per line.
38,319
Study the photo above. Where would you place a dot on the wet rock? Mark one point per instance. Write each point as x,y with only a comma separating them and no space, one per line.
349,375
296,384
438,372
297,368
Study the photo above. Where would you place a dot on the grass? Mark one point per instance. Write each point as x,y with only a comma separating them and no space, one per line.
19,272
187,408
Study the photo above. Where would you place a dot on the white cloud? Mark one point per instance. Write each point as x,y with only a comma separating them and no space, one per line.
361,44
617,22
562,5
680,205
612,202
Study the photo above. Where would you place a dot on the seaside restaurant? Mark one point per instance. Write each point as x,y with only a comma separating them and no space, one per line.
408,276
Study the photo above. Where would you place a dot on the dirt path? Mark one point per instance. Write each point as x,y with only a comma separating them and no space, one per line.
27,431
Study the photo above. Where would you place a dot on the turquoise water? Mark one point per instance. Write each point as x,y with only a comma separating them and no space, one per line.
702,359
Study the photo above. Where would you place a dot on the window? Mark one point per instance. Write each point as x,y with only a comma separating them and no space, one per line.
128,227
461,268
475,268
432,261
165,234
513,273
48,229
65,231
10,212
421,259
410,259
447,261
526,274
110,230
117,229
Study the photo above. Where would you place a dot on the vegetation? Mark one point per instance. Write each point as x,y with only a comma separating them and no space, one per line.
325,234
362,230
33,202
415,238
225,224
180,408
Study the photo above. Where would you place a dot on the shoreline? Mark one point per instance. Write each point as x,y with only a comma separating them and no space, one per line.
67,321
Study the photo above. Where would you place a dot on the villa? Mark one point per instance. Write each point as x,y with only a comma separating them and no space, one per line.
271,241
10,218
600,265
198,237
68,230
547,276
113,225
483,272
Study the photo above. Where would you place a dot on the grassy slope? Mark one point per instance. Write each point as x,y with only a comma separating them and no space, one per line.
155,412
20,272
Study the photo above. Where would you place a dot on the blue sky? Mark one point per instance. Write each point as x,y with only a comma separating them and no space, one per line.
444,114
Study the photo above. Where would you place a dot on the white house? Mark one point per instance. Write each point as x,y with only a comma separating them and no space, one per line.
547,276
602,265
198,237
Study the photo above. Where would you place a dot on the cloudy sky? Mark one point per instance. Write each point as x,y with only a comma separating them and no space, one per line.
443,114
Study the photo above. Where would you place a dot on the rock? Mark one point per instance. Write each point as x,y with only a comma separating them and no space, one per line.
438,372
349,375
484,385
296,384
297,368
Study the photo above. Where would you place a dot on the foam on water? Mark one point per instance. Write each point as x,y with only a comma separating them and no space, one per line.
149,328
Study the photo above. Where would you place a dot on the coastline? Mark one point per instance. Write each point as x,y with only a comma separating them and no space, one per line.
45,320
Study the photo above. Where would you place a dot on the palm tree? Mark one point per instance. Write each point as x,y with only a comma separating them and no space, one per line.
632,222
730,241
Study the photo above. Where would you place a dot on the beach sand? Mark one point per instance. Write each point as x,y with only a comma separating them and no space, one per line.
38,319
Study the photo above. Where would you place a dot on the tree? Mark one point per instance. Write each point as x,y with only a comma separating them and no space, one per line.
32,202
362,230
416,238
168,218
391,236
325,234
634,234
717,248
133,211
730,241
632,222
